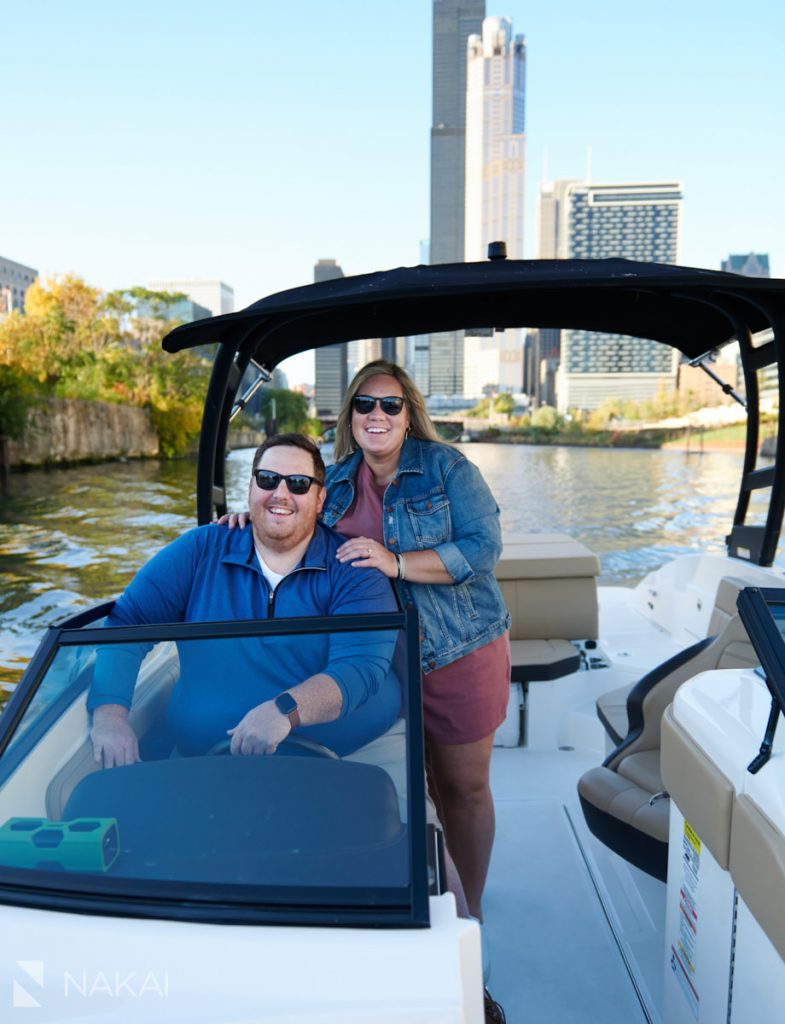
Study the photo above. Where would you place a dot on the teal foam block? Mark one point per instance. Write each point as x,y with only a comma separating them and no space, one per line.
83,844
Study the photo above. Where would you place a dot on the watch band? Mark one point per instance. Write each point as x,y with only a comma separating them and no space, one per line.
287,705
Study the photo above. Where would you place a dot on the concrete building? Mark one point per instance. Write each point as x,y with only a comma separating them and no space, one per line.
750,264
330,361
639,221
15,279
495,140
212,294
552,244
418,361
394,350
493,364
453,22
495,167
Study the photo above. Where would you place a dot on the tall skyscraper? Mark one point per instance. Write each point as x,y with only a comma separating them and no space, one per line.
495,164
453,22
495,139
633,221
330,361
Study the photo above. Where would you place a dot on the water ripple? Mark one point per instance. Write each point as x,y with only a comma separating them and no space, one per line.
74,536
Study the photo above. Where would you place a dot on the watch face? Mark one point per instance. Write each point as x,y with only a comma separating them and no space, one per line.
285,703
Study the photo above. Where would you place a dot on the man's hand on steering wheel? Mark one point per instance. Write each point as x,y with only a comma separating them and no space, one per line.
260,731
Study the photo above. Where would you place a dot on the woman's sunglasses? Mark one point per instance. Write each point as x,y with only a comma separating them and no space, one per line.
298,483
364,404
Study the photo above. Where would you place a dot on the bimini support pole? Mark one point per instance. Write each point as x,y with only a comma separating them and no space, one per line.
727,389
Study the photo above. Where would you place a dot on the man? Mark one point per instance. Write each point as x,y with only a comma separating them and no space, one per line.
337,689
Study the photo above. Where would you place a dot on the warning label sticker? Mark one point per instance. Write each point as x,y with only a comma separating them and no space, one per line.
684,958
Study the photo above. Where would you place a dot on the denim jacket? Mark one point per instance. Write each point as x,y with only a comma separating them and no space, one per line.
438,500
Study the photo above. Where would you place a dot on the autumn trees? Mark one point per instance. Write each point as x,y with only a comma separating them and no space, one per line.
76,342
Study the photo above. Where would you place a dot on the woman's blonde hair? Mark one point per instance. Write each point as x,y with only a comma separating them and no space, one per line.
420,423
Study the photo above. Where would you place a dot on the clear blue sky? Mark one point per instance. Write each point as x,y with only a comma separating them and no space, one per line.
247,139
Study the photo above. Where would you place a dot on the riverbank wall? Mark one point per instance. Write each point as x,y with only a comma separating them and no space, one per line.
69,430
667,439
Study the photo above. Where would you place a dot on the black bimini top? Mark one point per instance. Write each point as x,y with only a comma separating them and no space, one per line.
691,310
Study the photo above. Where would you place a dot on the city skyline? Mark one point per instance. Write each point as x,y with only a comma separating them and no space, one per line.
204,166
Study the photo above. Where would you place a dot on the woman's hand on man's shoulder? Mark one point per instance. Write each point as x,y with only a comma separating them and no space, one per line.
232,519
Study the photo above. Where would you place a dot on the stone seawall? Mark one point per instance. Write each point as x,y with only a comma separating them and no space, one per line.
244,439
66,430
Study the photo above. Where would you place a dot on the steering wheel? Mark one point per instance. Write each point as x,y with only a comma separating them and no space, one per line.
292,746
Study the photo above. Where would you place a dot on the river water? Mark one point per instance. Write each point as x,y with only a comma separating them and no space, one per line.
71,537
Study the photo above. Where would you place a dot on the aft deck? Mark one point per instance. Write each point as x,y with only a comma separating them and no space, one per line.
575,933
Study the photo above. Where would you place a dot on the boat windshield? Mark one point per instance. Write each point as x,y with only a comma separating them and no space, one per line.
330,828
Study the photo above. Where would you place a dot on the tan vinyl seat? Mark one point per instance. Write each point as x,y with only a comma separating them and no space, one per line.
612,706
624,800
549,584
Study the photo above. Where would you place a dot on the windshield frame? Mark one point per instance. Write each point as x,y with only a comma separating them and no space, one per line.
375,906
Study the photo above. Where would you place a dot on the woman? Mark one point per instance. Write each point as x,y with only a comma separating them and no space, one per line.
419,511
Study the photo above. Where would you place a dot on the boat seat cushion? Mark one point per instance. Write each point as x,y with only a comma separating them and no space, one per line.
538,556
535,660
629,820
622,798
549,584
643,768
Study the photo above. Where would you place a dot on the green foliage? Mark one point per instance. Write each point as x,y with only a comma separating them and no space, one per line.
291,410
665,405
176,426
480,411
546,420
17,397
75,342
502,404
313,427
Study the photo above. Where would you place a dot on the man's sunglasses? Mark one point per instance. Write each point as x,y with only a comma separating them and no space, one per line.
298,483
364,404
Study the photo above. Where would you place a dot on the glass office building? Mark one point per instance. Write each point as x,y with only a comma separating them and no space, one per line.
639,221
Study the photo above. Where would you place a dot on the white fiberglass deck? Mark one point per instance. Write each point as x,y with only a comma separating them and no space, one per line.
574,933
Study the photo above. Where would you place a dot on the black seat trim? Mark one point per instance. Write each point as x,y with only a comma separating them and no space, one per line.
641,850
640,691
